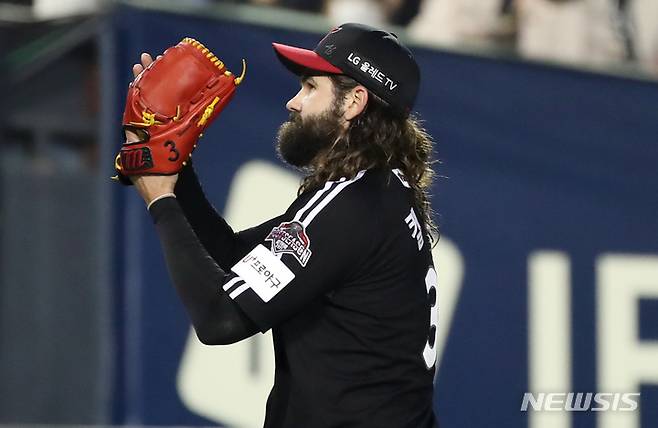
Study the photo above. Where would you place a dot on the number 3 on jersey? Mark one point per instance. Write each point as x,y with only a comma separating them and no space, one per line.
429,353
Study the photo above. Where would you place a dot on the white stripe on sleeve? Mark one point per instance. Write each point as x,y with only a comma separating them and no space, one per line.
238,291
231,283
311,201
329,198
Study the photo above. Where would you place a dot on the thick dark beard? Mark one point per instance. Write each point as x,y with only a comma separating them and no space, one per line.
300,141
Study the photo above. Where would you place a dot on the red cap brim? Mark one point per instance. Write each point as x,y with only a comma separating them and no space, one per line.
299,60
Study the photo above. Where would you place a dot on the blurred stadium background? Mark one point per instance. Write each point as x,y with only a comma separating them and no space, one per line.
545,114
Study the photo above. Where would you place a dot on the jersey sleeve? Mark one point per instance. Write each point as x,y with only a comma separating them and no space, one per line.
218,238
313,249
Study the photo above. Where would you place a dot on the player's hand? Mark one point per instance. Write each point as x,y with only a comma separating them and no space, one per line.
145,60
150,187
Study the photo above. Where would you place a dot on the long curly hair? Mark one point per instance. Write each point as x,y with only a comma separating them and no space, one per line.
378,137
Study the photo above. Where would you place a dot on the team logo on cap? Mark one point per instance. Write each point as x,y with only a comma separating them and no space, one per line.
291,238
329,49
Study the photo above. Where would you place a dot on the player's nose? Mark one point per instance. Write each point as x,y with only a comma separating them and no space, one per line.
294,104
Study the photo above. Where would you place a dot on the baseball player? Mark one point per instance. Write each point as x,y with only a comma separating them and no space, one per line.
344,278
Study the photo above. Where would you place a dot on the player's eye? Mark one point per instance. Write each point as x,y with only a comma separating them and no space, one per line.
307,83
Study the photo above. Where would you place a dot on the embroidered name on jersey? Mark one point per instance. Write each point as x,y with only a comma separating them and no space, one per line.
291,238
414,226
263,272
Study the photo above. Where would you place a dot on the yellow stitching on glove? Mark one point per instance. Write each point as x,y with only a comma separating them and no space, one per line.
238,80
208,112
204,50
149,120
175,118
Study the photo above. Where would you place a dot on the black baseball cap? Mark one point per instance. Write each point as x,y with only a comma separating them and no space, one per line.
374,58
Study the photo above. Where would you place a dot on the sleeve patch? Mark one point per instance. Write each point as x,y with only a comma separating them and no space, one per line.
263,272
291,238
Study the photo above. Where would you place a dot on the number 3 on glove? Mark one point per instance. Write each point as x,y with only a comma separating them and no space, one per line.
175,155
169,113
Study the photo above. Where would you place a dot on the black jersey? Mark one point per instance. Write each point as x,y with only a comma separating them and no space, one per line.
345,281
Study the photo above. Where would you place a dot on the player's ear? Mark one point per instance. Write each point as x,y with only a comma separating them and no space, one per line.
355,102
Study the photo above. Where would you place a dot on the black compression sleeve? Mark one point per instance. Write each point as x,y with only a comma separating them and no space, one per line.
212,230
198,279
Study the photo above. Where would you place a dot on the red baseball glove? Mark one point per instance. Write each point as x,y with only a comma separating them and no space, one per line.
169,105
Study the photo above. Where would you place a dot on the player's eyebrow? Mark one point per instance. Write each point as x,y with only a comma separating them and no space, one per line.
307,78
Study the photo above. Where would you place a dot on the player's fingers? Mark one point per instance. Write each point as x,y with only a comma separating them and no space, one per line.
137,68
146,59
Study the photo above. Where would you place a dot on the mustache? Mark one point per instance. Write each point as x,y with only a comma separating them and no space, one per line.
294,117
